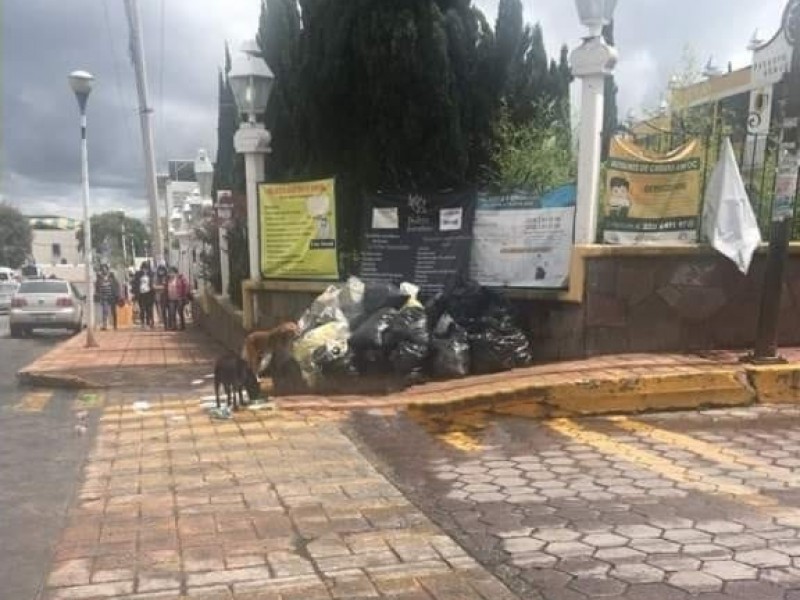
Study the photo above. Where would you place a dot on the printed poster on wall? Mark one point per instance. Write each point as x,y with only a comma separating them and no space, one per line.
651,198
421,238
524,241
298,230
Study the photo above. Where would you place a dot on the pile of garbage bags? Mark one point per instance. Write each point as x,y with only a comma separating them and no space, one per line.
356,329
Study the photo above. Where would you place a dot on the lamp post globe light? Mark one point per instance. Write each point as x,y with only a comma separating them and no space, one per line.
591,62
252,82
81,84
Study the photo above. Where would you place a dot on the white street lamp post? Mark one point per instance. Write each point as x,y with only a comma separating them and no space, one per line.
81,84
224,210
251,80
204,174
592,62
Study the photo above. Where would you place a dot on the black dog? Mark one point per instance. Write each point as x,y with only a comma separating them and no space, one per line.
234,375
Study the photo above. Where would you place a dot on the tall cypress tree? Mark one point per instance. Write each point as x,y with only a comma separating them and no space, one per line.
225,177
610,117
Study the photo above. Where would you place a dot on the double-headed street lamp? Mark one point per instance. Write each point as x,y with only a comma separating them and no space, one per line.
592,62
81,84
252,81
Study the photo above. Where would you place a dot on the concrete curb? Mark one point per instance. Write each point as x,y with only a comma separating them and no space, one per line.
54,379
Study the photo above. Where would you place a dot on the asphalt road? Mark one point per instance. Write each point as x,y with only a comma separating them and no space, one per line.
41,451
693,505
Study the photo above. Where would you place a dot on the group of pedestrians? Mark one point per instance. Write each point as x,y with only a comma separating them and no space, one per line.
163,293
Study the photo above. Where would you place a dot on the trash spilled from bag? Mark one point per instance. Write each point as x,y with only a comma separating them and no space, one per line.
359,333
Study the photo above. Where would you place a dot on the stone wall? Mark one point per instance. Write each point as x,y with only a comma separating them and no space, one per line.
221,320
634,300
666,302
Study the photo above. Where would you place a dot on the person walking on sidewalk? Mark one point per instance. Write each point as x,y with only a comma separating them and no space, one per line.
107,290
177,292
145,296
160,289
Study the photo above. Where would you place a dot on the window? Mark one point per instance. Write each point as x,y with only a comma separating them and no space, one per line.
43,287
56,252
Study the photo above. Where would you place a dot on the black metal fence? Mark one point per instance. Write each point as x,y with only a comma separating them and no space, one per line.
757,155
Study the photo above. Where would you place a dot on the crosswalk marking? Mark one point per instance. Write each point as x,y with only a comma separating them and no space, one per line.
662,466
724,456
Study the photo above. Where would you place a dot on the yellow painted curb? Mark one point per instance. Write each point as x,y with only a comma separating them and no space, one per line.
680,391
776,384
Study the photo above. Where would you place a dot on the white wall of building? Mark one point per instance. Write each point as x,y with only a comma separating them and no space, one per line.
55,246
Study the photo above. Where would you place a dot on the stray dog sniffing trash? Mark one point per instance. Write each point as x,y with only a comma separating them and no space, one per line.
235,375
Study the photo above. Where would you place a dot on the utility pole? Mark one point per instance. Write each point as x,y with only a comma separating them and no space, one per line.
145,113
766,346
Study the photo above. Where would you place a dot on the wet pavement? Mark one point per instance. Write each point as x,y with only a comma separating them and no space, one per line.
672,506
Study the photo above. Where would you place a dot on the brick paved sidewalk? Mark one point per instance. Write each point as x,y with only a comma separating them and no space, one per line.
264,506
168,358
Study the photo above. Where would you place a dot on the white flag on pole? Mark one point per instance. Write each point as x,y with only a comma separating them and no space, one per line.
729,222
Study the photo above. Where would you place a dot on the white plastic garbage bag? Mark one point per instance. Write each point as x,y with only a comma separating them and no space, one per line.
729,222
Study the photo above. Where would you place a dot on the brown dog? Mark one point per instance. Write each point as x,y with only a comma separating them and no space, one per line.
260,343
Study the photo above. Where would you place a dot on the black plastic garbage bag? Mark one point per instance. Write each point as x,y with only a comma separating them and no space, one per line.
383,295
370,334
450,351
408,342
497,344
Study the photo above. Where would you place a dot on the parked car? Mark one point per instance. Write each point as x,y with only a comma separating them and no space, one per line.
7,274
45,304
7,289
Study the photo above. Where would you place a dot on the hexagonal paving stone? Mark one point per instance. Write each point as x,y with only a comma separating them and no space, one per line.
470,469
604,540
536,560
637,573
788,547
707,551
522,544
597,588
656,546
737,541
635,532
488,497
674,562
695,582
556,534
788,577
620,555
729,570
671,522
582,566
687,535
568,549
763,558
720,526
480,487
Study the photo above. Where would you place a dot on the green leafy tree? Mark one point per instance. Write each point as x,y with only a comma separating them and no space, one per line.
107,232
16,237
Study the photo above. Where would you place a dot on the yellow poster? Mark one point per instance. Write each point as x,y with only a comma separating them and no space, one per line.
298,230
652,198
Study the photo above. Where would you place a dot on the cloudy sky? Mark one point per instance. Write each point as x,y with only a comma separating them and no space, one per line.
43,40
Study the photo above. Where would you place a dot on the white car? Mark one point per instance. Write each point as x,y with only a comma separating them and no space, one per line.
7,290
45,304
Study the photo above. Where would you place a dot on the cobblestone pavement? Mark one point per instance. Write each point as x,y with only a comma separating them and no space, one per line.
263,506
663,507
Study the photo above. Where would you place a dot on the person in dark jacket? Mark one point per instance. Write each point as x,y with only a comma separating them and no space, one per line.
107,292
144,293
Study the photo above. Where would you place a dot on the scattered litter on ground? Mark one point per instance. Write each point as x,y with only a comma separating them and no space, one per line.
141,406
209,398
209,376
222,412
262,405
198,381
